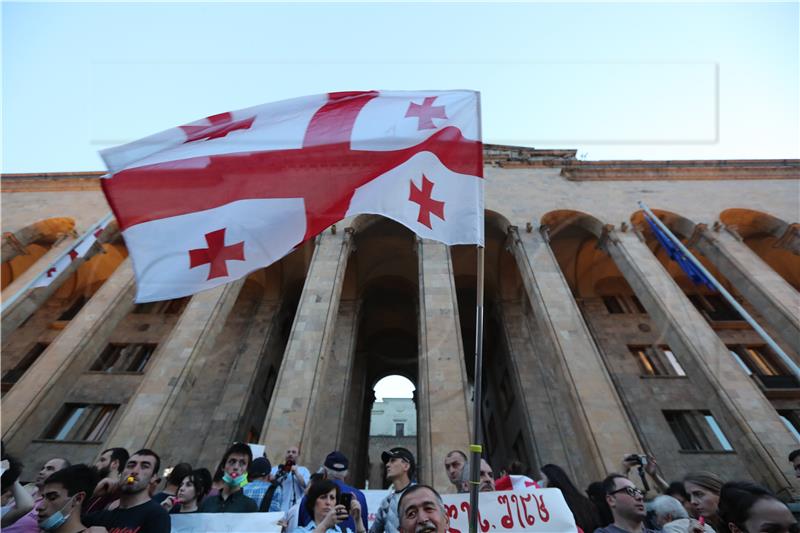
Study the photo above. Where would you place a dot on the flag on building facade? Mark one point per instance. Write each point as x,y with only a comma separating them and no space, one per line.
209,202
678,256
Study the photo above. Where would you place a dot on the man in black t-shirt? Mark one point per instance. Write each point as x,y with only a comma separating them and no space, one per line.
136,513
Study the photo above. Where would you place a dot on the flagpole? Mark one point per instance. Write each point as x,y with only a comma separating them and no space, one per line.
475,447
16,296
764,335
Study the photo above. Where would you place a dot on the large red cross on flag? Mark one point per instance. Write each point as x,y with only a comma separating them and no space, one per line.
209,202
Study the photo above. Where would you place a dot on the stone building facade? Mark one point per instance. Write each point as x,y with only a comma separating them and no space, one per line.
596,345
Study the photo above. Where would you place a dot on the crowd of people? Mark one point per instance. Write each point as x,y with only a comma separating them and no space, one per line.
123,493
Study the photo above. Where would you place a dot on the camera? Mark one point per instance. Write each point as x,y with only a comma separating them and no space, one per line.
640,460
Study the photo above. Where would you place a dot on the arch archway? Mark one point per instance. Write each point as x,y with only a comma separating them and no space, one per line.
22,248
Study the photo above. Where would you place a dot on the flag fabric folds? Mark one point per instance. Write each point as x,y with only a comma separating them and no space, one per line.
678,256
209,202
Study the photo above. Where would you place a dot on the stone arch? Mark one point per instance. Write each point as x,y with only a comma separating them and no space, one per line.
749,223
678,224
22,248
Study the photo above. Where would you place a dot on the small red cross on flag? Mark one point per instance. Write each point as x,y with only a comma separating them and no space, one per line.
267,178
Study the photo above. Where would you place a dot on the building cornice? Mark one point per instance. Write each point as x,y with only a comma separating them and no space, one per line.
700,170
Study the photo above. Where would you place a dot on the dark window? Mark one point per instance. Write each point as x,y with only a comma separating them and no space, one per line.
165,307
613,305
399,429
638,305
761,362
657,361
73,309
791,419
82,422
697,431
124,358
13,375
715,308
623,304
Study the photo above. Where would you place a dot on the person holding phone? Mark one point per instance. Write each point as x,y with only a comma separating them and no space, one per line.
329,507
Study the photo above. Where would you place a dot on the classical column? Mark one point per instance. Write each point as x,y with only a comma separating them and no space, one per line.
444,406
602,422
87,332
171,374
289,419
764,439
773,298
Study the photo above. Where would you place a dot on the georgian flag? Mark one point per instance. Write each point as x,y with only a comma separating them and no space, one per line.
209,202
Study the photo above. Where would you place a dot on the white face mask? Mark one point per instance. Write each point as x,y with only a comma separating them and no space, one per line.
55,520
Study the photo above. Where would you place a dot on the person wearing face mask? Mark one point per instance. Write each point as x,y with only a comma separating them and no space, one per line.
322,502
231,499
745,507
63,495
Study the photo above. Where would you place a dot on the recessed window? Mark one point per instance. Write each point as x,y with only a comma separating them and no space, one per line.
164,307
13,375
761,362
399,429
124,358
697,431
82,422
657,361
623,304
715,308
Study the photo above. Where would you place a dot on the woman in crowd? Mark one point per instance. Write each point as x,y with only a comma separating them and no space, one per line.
748,508
584,511
192,490
703,489
321,503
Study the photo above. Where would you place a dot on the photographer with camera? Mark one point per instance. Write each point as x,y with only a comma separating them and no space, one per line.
644,464
330,508
291,477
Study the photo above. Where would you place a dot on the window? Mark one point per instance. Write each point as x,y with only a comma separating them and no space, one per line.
657,361
715,308
164,307
13,375
763,364
82,422
791,419
619,304
399,429
124,358
697,431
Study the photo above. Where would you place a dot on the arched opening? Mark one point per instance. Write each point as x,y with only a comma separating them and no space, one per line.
24,247
393,422
772,239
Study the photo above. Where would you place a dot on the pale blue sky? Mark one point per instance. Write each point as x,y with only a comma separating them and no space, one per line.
612,80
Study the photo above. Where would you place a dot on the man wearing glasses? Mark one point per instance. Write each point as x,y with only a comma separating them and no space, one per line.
627,506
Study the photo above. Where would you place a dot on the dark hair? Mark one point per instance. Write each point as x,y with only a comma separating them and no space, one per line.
517,468
317,489
238,448
676,488
735,500
411,490
75,478
151,453
179,471
12,474
120,455
597,495
201,478
794,454
610,484
585,512
462,454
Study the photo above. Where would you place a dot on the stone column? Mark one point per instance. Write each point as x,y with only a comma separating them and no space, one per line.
774,299
764,440
299,387
602,421
171,372
87,332
444,408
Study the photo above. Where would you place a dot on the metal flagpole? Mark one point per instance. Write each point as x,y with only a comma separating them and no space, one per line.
101,223
475,448
764,335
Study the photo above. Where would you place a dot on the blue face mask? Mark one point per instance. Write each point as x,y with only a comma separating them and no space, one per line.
55,520
238,481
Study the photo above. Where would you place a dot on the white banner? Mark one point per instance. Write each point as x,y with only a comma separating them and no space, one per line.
534,510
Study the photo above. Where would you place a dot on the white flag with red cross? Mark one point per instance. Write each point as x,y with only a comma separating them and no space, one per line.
209,202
